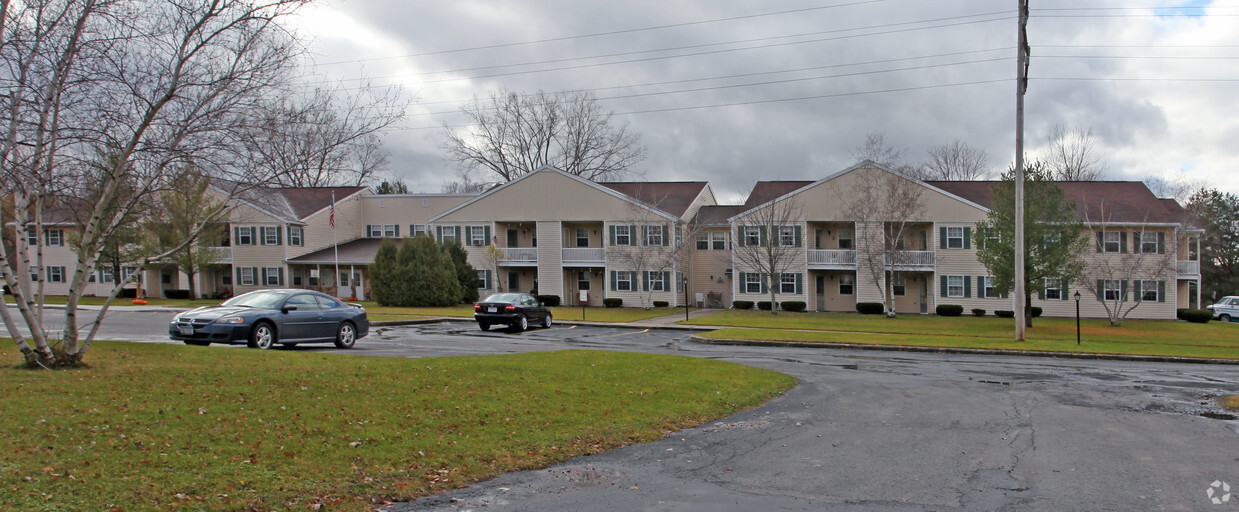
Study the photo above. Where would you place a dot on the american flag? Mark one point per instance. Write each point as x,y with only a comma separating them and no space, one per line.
332,219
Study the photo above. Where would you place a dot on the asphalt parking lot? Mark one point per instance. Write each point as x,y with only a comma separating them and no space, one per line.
878,431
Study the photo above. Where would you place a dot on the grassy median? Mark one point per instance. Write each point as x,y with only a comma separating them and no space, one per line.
163,427
1134,337
383,313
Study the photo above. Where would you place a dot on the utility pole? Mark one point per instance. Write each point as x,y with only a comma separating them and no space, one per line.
1021,85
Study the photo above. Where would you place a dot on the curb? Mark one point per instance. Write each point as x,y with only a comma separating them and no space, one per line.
972,351
436,320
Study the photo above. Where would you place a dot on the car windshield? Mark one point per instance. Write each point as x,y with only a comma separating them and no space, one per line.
509,298
261,299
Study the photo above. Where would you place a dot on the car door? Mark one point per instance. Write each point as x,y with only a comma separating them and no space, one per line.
533,311
332,313
300,324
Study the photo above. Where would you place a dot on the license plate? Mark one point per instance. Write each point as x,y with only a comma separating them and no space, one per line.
492,310
187,330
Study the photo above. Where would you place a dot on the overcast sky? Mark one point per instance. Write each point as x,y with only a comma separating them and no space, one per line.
731,92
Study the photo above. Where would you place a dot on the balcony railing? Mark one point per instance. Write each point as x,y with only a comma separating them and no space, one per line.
223,255
910,258
834,257
520,255
1189,267
585,255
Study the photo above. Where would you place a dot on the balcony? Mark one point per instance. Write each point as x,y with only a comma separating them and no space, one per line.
1188,269
910,260
835,259
223,255
520,256
585,256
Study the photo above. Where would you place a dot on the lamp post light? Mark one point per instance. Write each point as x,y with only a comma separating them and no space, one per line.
685,281
1077,296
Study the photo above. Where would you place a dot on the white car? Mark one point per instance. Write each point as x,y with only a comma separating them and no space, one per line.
1226,310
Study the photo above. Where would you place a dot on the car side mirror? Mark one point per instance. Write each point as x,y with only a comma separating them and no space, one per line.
286,309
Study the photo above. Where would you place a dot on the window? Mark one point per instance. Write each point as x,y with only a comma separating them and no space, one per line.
126,272
106,275
718,241
752,282
381,230
226,280
847,284
295,235
303,302
679,236
787,282
165,278
55,237
985,287
623,235
623,281
1149,242
582,237
313,277
703,241
447,235
327,302
247,276
1148,290
477,235
752,236
1053,289
955,285
1112,242
955,240
390,231
32,236
656,281
343,279
418,229
845,238
482,275
899,285
992,236
582,281
245,235
34,271
270,235
653,235
1112,289
787,236
57,275
272,276
425,203
679,282
296,274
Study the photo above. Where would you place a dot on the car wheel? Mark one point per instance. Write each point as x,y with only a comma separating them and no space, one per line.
1224,318
346,336
546,322
522,323
484,327
262,337
197,343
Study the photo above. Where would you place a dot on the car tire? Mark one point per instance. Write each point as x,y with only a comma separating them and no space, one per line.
346,335
263,336
546,322
1223,318
521,323
197,343
484,327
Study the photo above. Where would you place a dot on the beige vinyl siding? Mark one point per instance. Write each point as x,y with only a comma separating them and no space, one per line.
550,259
704,198
705,268
350,225
406,209
545,196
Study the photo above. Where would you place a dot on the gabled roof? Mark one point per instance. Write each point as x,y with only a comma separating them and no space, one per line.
766,191
716,215
1096,201
289,204
360,251
673,197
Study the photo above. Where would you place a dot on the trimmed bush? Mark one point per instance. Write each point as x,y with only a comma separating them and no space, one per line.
742,304
869,308
661,303
949,310
978,312
1178,313
612,302
1004,314
793,305
1199,316
1036,312
176,294
128,293
549,301
764,305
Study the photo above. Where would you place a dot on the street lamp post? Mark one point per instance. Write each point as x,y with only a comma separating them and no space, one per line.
1077,296
685,281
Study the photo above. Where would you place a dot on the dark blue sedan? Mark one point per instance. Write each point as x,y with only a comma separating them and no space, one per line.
265,318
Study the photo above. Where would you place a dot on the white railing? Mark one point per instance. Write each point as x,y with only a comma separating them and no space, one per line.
591,254
520,254
1189,267
223,255
832,257
911,258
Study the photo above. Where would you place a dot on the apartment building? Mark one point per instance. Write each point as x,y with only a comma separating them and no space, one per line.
562,235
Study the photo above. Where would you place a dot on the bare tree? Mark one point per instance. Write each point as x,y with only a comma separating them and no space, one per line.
883,208
1178,186
464,186
878,150
512,134
657,244
1072,155
768,242
1129,267
957,161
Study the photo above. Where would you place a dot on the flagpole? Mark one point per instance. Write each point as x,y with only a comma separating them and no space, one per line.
334,242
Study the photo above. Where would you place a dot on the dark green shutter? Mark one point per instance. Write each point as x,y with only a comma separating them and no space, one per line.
1062,284
485,235
1136,288
279,239
645,281
967,286
942,245
740,235
264,277
1101,289
798,239
967,237
1161,291
457,228
761,237
666,234
1135,242
1123,289
1161,244
667,285
943,288
397,231
743,288
799,282
1041,292
613,288
762,279
612,235
1122,241
1101,241
280,277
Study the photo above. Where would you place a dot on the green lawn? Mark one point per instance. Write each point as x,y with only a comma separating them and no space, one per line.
1137,337
160,427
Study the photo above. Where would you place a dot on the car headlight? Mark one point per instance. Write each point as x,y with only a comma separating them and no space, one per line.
230,320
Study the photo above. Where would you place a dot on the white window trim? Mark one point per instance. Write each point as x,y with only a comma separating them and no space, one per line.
273,278
752,282
753,232
1106,241
56,241
247,276
623,235
1052,284
420,229
56,274
954,234
850,282
1111,285
784,284
787,236
624,280
296,236
1145,289
243,233
718,241
578,237
703,241
653,235
951,287
655,278
270,235
477,235
899,281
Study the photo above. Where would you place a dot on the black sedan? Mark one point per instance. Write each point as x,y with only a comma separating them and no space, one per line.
516,310
265,318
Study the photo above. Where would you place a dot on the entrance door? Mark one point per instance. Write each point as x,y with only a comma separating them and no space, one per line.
820,289
924,296
348,288
513,238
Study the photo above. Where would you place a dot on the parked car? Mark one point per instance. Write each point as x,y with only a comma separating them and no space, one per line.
516,310
265,318
1225,310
